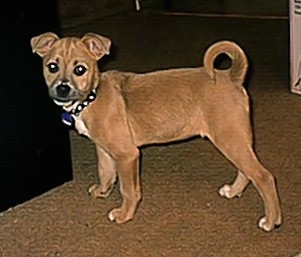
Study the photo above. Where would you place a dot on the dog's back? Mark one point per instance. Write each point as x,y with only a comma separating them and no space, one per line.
181,101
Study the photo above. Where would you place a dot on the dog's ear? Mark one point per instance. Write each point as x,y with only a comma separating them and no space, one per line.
43,43
97,45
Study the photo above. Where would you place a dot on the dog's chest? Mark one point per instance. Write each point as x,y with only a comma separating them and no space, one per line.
80,126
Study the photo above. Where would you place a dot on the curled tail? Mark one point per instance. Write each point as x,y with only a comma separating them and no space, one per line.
239,65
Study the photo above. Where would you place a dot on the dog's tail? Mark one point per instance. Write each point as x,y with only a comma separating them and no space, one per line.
239,60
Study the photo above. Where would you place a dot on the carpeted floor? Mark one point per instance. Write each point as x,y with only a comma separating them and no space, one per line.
181,213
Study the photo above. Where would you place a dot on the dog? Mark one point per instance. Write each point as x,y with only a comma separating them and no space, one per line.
122,111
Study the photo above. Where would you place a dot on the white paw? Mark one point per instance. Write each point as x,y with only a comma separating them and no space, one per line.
92,188
97,191
111,216
225,191
262,223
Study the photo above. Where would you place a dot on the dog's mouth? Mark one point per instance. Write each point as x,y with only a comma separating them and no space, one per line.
63,94
63,103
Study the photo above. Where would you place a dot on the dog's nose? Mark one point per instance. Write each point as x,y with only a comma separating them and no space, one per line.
63,90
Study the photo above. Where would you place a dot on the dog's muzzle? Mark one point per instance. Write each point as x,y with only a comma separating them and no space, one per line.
63,93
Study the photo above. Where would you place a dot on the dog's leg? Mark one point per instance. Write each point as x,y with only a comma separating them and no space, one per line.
130,189
237,147
236,189
107,175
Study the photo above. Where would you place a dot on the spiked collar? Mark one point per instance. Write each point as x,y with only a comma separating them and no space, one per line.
67,116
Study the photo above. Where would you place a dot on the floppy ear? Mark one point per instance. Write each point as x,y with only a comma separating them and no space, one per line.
43,43
97,45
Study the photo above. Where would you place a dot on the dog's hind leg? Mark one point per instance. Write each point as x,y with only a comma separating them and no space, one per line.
107,175
237,147
237,188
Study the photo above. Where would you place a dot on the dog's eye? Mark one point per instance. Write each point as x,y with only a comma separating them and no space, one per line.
53,67
80,70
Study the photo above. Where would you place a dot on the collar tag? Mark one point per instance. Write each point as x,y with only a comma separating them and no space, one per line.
67,119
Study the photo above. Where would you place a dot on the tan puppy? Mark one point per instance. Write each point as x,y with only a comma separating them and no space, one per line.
121,111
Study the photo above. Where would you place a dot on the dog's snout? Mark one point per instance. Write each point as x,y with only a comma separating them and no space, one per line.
63,90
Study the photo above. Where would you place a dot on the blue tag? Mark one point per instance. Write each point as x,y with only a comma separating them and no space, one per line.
67,118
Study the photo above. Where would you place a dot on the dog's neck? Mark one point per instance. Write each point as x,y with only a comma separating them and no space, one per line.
77,107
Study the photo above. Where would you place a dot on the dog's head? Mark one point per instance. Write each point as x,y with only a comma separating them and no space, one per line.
70,64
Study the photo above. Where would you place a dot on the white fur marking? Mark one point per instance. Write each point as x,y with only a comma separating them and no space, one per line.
80,126
262,224
225,191
111,216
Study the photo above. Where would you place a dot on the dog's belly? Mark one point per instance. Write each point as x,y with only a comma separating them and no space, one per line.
162,129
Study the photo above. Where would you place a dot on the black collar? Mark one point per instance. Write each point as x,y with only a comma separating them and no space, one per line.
67,116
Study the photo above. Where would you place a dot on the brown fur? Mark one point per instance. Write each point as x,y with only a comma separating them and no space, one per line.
132,110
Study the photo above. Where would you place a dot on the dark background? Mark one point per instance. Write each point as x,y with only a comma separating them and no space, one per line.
34,145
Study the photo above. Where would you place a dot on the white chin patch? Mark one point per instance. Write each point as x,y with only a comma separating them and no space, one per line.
62,103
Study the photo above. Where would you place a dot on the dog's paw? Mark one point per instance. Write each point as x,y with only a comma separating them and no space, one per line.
227,191
267,226
118,216
97,191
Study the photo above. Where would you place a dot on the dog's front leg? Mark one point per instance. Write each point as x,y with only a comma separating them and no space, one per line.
107,175
129,178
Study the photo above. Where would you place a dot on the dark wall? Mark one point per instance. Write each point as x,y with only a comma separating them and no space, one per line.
34,145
